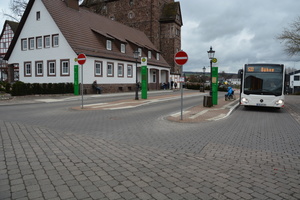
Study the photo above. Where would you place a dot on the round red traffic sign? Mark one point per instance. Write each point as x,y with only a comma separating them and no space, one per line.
81,58
181,58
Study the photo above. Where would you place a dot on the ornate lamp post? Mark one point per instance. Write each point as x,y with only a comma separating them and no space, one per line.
211,54
204,76
136,54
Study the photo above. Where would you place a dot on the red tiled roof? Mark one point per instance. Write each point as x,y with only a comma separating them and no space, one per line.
81,29
86,31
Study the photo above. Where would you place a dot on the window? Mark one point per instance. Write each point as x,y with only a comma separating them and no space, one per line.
140,51
64,67
110,69
157,56
98,68
120,70
51,68
39,68
154,77
27,69
55,40
47,41
149,54
108,45
39,42
177,32
296,78
31,43
24,44
129,70
38,15
123,48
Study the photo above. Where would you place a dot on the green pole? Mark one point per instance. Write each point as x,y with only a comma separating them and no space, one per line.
215,85
144,71
76,82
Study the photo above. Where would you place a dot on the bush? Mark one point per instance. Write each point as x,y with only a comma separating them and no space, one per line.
20,89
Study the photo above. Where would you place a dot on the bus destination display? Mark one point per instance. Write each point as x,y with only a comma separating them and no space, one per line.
267,69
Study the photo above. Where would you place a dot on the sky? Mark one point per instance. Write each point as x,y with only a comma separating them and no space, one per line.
239,31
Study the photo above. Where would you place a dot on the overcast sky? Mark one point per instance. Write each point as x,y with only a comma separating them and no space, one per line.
239,31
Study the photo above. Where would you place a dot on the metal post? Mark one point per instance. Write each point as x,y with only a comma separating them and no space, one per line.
136,82
210,93
81,86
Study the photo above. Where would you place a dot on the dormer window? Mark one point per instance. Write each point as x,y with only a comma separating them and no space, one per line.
140,51
123,48
149,54
157,56
108,45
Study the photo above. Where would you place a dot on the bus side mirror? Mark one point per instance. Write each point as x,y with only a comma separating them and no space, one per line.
240,73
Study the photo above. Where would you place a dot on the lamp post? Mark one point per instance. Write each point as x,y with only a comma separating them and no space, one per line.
204,76
136,54
211,54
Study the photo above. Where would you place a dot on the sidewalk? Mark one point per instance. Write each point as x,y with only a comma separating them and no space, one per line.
194,114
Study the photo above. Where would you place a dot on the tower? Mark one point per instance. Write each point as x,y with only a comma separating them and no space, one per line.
160,20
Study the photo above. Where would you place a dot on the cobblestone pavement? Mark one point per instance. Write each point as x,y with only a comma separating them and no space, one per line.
251,163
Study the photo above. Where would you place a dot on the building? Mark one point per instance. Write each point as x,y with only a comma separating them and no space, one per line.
160,20
53,32
295,82
7,34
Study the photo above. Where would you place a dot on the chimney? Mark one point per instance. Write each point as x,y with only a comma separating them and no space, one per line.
72,4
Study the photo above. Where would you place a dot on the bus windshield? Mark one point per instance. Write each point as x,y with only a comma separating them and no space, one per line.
268,82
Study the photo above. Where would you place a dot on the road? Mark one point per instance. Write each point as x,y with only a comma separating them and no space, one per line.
137,154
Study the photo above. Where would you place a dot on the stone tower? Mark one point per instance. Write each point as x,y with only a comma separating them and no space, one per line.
160,20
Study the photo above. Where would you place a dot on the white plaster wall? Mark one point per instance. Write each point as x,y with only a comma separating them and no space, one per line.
46,26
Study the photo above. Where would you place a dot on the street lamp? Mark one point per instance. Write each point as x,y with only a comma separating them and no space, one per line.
211,54
136,54
204,75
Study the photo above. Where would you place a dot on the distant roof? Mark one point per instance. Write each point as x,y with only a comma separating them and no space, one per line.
84,31
13,25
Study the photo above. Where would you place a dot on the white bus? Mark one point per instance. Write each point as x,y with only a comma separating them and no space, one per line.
262,85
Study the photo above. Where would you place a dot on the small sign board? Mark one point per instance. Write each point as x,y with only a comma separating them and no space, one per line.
181,80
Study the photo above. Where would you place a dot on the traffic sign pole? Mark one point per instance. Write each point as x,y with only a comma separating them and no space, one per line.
81,58
181,58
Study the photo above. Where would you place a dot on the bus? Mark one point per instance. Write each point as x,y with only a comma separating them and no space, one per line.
262,85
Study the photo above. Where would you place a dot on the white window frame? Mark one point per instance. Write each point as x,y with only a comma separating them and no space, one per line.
55,40
129,71
110,69
123,48
65,67
140,51
98,68
149,54
157,56
39,42
120,70
51,67
39,68
47,41
24,44
31,43
109,45
27,69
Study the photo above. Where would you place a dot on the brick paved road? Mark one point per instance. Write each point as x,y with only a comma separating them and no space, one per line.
252,154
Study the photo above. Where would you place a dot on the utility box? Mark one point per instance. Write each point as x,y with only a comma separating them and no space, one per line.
207,101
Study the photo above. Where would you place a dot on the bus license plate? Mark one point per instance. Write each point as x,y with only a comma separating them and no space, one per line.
261,104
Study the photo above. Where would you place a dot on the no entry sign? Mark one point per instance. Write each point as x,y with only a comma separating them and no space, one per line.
81,59
181,58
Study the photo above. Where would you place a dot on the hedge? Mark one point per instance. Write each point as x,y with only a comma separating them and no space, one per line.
20,89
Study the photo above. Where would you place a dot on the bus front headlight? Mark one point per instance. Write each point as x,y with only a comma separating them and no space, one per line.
244,100
279,102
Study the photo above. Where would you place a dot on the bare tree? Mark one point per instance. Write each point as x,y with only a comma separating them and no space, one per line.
291,38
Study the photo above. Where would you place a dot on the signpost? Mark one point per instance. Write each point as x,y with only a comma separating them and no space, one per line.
144,82
81,58
181,58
